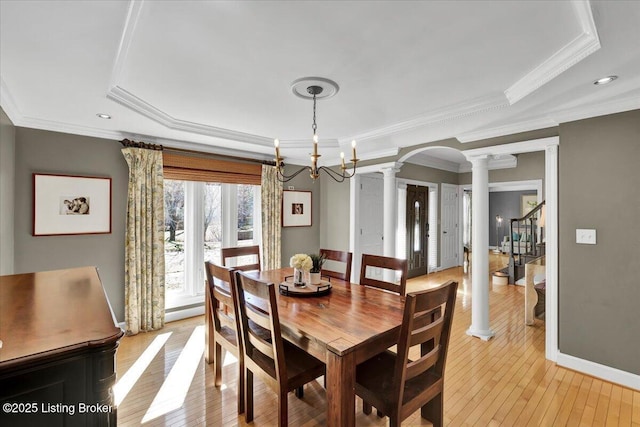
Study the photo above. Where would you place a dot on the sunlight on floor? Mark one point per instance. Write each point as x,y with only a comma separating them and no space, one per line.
129,379
174,389
229,359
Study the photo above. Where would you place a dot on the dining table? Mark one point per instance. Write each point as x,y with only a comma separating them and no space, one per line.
343,328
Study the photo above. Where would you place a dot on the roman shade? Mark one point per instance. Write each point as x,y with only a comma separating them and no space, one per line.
194,168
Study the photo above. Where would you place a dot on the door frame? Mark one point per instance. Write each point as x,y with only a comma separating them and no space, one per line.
401,225
354,213
458,238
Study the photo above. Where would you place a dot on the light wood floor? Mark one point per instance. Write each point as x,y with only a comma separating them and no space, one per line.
505,381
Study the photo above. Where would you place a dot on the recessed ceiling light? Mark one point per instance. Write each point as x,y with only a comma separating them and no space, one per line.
103,116
605,80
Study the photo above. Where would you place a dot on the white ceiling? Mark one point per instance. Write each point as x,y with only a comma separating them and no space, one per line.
216,75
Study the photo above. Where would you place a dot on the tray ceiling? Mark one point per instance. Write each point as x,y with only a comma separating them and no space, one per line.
217,74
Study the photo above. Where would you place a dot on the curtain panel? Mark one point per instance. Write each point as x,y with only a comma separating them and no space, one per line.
144,241
271,195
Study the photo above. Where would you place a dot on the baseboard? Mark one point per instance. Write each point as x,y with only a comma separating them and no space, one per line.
184,314
172,316
597,370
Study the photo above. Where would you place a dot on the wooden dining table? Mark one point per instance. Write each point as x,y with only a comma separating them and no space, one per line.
343,328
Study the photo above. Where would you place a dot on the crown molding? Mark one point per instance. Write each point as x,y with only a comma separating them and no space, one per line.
596,109
131,101
308,143
568,56
451,112
435,163
379,154
540,144
9,104
504,162
508,129
56,126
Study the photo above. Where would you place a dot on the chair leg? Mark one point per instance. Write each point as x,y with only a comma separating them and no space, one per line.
283,409
248,395
366,408
433,410
240,386
300,392
217,364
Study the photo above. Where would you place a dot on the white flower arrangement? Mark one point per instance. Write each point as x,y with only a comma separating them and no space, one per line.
301,261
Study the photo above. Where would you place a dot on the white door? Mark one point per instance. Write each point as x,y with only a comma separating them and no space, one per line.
370,219
449,226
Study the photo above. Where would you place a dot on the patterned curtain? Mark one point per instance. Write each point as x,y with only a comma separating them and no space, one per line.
271,194
144,242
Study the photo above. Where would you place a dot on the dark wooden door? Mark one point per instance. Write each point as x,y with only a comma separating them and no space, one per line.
417,229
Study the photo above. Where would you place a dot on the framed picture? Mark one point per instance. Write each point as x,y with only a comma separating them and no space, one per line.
296,208
67,204
527,203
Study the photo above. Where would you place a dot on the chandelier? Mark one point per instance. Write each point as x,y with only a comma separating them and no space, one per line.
314,169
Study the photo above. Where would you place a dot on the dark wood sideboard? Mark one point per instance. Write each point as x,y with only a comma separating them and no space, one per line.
59,340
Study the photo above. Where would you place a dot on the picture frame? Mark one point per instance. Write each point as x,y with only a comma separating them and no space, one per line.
296,208
71,204
527,203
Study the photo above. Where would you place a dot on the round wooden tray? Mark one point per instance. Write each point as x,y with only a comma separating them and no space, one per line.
287,288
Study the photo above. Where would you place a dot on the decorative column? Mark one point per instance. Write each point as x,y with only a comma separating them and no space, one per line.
480,250
390,212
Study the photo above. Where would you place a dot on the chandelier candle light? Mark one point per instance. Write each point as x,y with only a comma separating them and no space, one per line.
314,170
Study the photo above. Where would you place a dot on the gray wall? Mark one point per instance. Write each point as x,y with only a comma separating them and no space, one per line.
59,153
7,179
599,285
507,205
302,239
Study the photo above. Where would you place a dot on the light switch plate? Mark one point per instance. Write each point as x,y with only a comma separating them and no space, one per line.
585,236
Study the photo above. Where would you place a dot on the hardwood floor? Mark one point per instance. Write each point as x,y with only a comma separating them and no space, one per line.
505,381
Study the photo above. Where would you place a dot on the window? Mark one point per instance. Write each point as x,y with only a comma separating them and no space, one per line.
200,219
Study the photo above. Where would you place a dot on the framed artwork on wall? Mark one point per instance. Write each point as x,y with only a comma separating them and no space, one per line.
68,204
296,208
527,203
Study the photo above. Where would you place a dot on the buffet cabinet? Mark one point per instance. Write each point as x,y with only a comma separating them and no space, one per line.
58,339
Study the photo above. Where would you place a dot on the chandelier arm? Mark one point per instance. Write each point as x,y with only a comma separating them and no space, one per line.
338,177
333,174
286,178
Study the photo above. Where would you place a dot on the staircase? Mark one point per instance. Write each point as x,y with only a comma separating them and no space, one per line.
530,246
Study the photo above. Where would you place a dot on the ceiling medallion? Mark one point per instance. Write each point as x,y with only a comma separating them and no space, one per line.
316,88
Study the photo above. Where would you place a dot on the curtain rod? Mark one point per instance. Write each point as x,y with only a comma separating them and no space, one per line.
129,143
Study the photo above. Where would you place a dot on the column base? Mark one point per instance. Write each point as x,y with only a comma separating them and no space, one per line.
484,335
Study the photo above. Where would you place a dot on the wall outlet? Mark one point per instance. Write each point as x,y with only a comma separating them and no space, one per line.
291,187
585,236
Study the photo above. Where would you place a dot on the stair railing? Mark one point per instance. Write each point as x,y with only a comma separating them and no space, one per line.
532,226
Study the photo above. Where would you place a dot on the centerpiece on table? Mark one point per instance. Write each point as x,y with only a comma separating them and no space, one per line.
300,264
314,274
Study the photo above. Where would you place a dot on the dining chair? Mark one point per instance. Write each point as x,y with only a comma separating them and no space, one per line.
339,256
396,385
225,323
242,251
387,263
281,365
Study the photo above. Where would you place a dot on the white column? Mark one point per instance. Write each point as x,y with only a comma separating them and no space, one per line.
480,250
389,200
